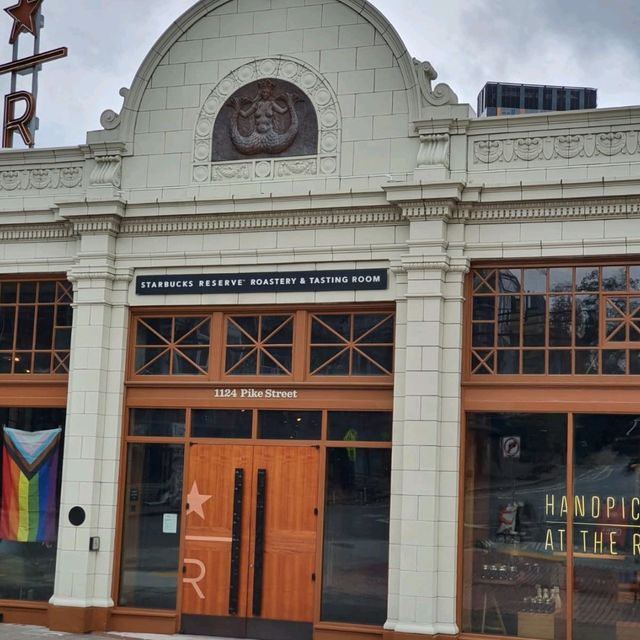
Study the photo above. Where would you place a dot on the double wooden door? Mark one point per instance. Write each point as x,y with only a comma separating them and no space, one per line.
250,541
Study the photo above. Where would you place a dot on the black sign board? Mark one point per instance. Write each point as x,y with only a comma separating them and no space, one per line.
265,282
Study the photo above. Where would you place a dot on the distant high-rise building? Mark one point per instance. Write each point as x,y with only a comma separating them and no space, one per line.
504,99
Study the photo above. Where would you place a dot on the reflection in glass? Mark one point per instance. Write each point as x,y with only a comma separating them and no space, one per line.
150,542
535,280
560,321
508,321
374,426
561,279
28,568
157,422
221,423
289,425
534,321
514,525
356,536
614,278
587,320
607,527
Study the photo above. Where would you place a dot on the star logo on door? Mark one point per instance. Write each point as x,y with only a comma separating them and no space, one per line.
195,500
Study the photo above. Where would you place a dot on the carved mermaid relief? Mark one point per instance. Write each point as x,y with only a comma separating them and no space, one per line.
264,109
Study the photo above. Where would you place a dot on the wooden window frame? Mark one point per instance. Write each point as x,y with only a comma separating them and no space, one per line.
56,362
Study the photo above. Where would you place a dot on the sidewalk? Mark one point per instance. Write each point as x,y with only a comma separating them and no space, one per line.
20,632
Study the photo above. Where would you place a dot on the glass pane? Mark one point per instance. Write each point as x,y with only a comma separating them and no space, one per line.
47,292
149,571
382,334
561,279
515,525
27,292
356,536
508,362
183,367
381,356
509,321
185,332
277,329
276,361
607,527
7,318
289,425
249,324
482,362
634,362
509,280
28,568
484,307
560,321
221,423
156,422
64,315
484,281
373,426
337,367
586,362
587,320
144,335
535,313
157,367
63,338
26,317
533,362
614,361
246,367
614,278
560,362
44,327
535,280
483,334
6,362
322,335
42,362
8,292
235,336
634,278
587,279
22,362
364,322
199,356
162,326
341,324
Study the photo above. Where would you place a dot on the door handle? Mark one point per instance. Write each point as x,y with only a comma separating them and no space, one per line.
258,551
236,541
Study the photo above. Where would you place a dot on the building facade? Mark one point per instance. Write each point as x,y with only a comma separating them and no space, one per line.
321,354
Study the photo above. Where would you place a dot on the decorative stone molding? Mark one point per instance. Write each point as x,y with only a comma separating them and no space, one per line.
434,150
549,210
41,178
308,80
102,272
44,231
107,171
109,118
436,97
109,224
435,263
258,222
427,210
588,145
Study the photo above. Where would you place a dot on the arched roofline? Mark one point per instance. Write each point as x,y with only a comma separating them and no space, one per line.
125,121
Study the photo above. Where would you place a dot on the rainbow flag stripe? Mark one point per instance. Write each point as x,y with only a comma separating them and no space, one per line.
29,485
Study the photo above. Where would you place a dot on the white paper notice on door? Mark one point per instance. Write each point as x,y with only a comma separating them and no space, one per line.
170,523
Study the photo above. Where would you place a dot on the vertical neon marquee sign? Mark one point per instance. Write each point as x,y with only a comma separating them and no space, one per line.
27,18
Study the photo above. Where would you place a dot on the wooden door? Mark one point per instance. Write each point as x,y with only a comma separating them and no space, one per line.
283,588
216,542
250,541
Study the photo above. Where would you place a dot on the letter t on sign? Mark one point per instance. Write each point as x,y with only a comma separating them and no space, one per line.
18,123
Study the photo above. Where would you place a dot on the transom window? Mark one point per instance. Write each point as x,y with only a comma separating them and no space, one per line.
555,320
35,327
284,344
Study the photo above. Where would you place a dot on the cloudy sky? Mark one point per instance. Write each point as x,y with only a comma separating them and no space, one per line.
564,42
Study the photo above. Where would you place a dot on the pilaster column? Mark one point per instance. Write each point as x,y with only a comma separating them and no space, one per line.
83,582
425,476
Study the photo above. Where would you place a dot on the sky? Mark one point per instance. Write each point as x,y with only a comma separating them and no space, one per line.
591,43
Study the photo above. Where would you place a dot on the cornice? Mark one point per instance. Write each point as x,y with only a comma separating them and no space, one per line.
588,208
258,222
41,231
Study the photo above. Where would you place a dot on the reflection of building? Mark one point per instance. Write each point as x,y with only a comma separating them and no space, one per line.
505,99
289,305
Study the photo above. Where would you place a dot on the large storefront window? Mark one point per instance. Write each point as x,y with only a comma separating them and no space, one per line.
515,525
606,531
29,520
